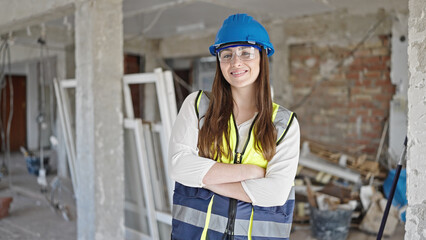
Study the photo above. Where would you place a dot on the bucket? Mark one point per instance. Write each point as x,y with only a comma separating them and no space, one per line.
330,224
4,206
33,164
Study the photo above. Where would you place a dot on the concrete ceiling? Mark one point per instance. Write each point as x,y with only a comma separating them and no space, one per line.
154,19
164,18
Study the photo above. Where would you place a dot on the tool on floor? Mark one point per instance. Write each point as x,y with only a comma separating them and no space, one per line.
33,164
55,204
392,191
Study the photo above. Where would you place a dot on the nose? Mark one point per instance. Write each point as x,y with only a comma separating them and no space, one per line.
235,61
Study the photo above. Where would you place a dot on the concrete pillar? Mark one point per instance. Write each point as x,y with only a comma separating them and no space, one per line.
416,165
150,109
151,50
99,71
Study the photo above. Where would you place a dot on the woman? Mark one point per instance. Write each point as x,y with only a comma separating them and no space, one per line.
233,153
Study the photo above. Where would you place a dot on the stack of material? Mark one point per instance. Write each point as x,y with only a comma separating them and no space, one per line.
348,158
331,197
148,190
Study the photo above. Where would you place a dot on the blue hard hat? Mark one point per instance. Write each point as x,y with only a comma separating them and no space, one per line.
242,28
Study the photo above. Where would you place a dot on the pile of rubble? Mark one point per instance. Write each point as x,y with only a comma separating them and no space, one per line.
341,182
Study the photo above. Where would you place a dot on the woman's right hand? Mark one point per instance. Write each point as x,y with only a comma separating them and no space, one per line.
227,173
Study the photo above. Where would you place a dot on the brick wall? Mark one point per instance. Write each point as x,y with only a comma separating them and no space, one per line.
350,106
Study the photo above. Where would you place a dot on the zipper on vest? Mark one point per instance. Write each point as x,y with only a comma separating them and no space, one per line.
239,155
238,158
232,211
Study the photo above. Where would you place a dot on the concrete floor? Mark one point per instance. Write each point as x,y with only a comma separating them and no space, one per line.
33,218
304,233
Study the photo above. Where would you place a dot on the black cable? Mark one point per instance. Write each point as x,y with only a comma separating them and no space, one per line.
5,133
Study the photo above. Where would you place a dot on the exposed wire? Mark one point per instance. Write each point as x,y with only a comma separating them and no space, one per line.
5,135
52,99
46,116
339,64
42,114
148,28
159,8
154,21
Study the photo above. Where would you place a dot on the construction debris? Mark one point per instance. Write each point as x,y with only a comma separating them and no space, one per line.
311,193
330,216
330,224
371,222
339,186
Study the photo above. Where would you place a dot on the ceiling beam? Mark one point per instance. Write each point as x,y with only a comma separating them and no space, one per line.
55,36
257,14
158,7
221,3
17,15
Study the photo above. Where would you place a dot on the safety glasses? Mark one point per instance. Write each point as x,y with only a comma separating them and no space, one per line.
243,52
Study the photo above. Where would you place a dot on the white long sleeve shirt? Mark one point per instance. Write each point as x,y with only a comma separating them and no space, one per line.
189,169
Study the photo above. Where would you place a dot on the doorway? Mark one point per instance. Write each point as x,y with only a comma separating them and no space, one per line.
18,129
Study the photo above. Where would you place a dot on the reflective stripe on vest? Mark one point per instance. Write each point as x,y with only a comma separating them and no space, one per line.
201,214
206,210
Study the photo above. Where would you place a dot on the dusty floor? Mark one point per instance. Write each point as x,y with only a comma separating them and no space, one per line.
304,233
33,218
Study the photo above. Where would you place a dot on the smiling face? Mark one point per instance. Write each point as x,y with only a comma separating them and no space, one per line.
237,72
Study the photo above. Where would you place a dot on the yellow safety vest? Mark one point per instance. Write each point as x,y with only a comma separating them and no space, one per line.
201,214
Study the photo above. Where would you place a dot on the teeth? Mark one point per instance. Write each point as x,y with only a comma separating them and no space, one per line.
238,72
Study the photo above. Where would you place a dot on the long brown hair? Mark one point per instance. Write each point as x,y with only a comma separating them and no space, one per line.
215,128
